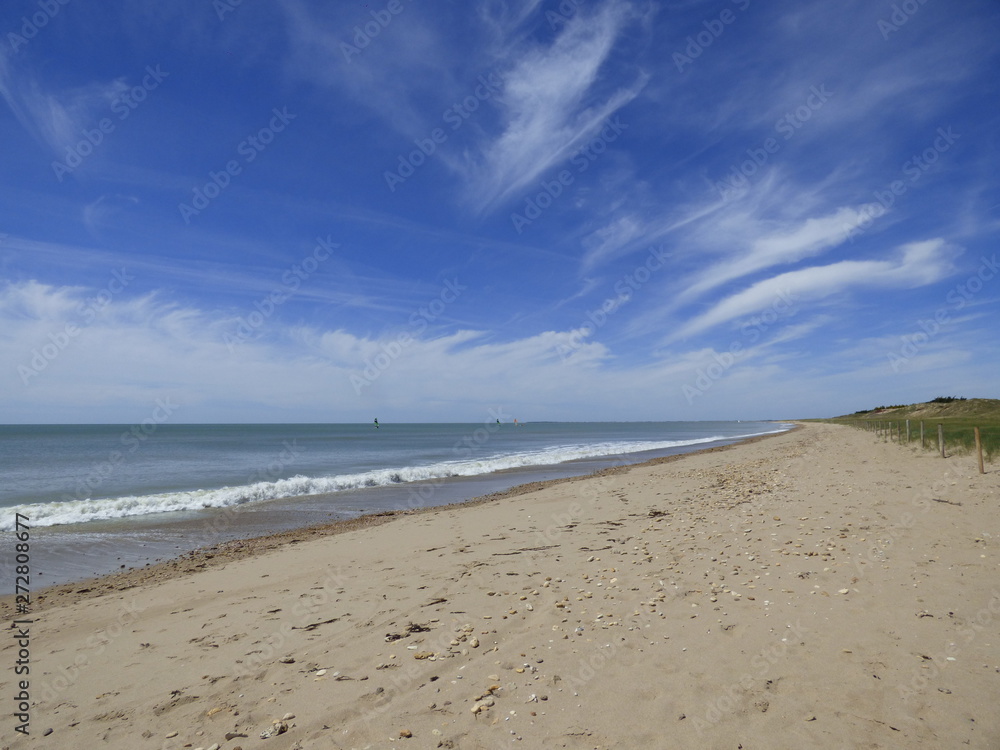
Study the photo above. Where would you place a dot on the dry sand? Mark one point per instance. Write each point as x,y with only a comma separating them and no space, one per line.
817,589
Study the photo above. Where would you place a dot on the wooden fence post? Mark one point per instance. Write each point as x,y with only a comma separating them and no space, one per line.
979,450
923,444
907,431
941,439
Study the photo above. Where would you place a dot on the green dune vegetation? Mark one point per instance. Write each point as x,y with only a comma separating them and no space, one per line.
958,417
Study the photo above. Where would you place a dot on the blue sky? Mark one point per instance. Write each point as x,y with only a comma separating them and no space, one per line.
593,210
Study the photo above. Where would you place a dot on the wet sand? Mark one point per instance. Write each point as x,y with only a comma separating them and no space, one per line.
63,554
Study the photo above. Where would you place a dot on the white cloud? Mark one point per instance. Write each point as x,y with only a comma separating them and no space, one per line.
506,17
56,118
142,348
917,264
610,241
788,245
386,74
549,106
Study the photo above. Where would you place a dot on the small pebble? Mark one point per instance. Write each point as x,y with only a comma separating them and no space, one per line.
278,727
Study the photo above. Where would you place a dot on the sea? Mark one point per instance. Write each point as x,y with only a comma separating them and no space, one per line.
99,498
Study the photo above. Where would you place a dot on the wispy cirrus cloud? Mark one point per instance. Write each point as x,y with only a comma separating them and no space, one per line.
612,240
806,239
56,118
390,74
549,104
505,17
916,264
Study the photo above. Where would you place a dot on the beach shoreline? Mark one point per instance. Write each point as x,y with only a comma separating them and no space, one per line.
216,554
70,552
813,588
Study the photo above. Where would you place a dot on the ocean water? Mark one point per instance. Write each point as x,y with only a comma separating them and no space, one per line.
99,498
73,474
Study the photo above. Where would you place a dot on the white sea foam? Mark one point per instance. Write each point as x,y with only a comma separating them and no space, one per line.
80,511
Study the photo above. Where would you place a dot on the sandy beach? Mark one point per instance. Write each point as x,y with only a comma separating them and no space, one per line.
813,589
